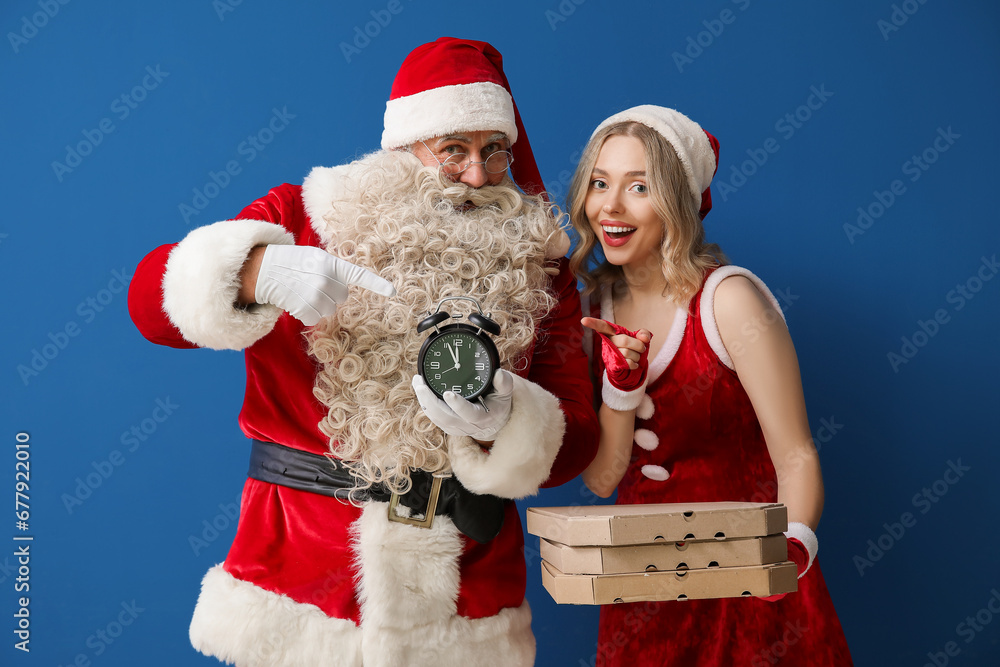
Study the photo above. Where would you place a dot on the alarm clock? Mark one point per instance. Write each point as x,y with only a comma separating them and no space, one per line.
460,358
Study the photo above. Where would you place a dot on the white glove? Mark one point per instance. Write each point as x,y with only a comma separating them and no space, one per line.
457,416
309,282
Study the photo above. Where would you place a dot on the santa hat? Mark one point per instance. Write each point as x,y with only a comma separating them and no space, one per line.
457,85
697,150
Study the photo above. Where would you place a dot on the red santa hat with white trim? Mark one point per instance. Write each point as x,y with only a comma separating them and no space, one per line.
457,85
696,148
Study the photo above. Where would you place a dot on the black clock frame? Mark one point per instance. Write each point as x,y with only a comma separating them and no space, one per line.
487,343
480,323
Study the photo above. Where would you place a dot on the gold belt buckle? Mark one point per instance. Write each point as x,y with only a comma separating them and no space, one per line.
432,501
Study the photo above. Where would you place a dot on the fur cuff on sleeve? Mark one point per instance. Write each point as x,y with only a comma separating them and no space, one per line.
620,400
523,452
807,537
201,284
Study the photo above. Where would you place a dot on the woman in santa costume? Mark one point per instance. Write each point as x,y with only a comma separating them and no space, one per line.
322,286
701,395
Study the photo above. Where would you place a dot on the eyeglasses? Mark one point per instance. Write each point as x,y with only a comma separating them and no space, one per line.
456,163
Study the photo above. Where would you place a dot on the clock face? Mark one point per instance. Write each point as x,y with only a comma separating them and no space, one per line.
458,360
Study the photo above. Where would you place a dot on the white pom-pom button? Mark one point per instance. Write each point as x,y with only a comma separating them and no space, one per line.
646,439
645,409
656,473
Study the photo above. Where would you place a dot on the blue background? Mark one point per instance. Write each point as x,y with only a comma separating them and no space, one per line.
225,68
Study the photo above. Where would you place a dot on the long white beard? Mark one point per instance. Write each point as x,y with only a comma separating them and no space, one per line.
399,220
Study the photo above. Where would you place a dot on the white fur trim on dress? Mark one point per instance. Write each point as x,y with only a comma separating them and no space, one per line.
408,588
241,624
807,537
522,454
202,280
464,107
686,137
620,399
708,323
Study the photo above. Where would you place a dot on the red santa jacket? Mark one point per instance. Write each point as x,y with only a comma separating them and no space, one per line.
310,576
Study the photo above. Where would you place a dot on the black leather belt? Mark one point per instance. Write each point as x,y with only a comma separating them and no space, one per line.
480,517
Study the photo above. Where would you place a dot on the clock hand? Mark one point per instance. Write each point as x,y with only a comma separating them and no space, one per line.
454,354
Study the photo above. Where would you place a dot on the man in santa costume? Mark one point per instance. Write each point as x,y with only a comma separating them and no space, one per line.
322,286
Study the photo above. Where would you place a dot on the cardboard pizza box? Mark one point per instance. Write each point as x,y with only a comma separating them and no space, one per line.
665,556
616,525
722,582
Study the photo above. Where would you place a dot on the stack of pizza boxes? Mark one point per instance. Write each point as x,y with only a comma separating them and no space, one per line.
636,553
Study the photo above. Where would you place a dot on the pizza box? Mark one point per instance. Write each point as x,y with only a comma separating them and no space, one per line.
665,556
721,582
616,525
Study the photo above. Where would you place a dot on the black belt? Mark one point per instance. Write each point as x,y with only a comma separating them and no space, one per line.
478,516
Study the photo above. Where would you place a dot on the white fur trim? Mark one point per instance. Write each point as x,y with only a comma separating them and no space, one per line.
670,346
408,575
686,137
619,399
656,473
646,408
807,537
708,323
408,588
646,439
239,623
464,107
320,188
202,281
522,454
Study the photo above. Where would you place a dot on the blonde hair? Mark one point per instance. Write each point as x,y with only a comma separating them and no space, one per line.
399,219
684,255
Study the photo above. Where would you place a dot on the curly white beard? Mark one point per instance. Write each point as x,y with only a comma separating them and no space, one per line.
399,219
